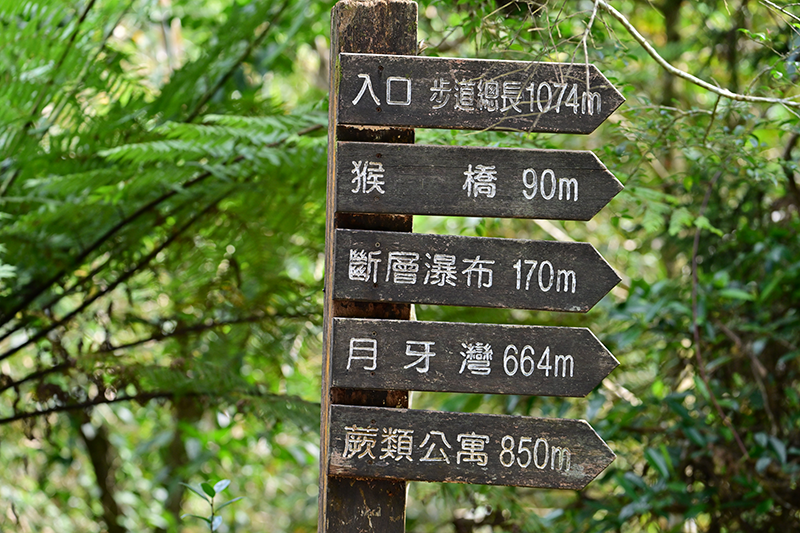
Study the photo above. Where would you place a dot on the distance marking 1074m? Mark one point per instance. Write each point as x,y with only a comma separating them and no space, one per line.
432,92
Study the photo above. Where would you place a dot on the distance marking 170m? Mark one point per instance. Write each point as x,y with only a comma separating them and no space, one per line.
469,271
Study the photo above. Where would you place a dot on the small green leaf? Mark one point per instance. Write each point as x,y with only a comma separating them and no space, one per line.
703,223
700,387
194,490
207,520
762,464
789,356
216,522
230,502
736,294
765,506
779,447
695,436
7,271
221,485
680,218
208,489
657,461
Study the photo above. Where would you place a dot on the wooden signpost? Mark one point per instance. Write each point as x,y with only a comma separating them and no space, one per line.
371,443
351,505
469,271
476,94
478,358
465,447
471,181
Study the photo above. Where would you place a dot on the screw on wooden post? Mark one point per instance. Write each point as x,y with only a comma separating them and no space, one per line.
348,504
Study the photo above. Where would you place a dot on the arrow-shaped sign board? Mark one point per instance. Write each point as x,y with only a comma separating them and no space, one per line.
429,92
418,445
417,179
477,358
383,266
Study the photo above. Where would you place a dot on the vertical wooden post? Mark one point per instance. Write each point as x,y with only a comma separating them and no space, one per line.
346,504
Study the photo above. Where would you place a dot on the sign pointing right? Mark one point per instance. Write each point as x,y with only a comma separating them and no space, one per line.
457,357
438,92
384,266
419,445
471,181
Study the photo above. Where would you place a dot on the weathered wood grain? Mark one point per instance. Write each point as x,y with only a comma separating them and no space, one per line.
432,92
471,181
350,505
469,271
451,357
421,445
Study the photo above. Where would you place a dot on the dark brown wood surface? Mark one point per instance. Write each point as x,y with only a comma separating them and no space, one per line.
452,357
469,271
471,181
352,505
428,92
421,445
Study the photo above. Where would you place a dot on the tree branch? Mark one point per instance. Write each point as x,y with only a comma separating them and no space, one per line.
759,373
244,55
188,330
43,91
781,9
180,332
701,365
39,374
33,292
788,102
143,398
787,158
82,77
103,457
127,274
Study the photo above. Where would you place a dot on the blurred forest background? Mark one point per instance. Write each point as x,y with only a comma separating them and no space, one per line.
162,181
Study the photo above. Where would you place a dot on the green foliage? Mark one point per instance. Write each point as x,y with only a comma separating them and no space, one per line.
696,377
208,494
162,199
162,178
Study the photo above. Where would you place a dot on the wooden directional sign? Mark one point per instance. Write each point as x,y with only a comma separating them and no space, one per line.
469,271
465,448
428,92
455,357
471,181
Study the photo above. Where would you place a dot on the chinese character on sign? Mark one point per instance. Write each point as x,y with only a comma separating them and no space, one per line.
443,270
397,443
477,267
441,93
369,176
421,350
512,91
398,91
465,95
403,267
472,449
363,265
480,181
488,93
363,349
358,440
477,358
442,455
367,86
